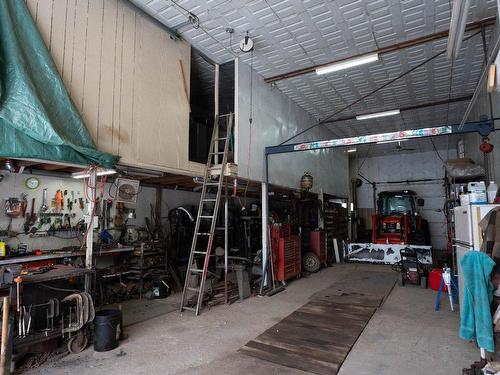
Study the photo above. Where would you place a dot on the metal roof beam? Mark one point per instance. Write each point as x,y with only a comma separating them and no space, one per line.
392,48
483,127
411,107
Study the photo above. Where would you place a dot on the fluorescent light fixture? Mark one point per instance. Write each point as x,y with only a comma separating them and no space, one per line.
457,27
352,149
101,172
378,114
346,64
393,141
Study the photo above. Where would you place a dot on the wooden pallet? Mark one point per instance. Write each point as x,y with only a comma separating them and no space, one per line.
319,335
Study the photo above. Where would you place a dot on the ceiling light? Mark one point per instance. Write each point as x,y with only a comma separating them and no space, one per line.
346,64
351,149
394,141
457,27
101,172
378,114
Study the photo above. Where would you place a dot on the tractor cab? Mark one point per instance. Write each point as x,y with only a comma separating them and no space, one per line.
397,220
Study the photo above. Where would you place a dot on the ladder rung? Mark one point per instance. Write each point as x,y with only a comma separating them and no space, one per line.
212,183
196,270
206,217
210,200
191,289
200,252
189,308
219,139
217,153
203,234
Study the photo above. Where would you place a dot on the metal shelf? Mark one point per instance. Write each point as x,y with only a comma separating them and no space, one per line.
124,249
36,258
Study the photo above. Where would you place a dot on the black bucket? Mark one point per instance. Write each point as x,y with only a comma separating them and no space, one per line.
159,287
107,330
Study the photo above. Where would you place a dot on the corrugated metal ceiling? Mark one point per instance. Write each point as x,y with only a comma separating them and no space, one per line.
294,34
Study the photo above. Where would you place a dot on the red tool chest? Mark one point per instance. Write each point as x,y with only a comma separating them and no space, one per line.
280,230
286,252
317,244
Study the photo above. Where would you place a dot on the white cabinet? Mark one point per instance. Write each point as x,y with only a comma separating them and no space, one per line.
468,236
467,219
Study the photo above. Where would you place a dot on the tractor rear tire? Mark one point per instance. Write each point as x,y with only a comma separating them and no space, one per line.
310,262
401,280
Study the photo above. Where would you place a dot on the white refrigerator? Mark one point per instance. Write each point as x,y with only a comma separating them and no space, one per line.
468,235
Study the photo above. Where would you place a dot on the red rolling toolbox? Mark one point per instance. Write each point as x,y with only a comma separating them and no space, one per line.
286,252
287,258
317,244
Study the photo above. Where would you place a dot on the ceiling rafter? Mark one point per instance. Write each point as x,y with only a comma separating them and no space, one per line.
411,108
490,21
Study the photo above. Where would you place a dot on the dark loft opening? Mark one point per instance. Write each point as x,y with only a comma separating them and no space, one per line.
202,98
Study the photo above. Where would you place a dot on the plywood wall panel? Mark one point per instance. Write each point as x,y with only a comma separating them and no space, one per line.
79,52
91,84
121,71
69,40
126,103
58,32
105,133
32,6
44,19
117,78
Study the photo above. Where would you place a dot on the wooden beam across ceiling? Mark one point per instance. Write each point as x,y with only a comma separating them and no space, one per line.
477,25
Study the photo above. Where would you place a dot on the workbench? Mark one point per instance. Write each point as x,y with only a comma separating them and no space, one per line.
37,258
58,272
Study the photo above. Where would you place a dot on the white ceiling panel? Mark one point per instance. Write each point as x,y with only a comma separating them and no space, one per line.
295,34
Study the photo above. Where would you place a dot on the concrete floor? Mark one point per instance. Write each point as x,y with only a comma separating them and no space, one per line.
404,336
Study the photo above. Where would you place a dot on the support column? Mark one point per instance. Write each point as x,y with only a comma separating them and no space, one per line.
89,240
226,236
265,219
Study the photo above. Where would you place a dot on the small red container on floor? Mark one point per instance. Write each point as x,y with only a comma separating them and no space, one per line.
435,280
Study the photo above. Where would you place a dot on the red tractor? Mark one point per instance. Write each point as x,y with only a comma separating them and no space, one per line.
397,220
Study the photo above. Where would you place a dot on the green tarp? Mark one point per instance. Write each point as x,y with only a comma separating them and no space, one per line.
37,117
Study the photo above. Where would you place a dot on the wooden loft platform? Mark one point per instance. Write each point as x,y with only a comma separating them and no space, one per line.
151,178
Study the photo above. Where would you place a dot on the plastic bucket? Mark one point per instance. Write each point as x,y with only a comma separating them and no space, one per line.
160,288
107,329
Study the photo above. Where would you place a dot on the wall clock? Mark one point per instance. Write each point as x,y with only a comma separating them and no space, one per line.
32,183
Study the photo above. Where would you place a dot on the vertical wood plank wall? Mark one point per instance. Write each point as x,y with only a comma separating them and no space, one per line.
121,71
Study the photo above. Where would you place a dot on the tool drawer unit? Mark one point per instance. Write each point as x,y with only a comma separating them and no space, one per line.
317,244
286,252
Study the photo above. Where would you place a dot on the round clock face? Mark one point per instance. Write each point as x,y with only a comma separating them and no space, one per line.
32,183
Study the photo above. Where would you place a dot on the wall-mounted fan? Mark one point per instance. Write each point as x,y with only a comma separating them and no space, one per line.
127,190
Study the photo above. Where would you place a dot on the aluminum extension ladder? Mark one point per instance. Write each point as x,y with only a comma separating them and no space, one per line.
221,135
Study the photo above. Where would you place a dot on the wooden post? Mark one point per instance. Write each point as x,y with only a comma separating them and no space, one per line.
184,85
5,336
